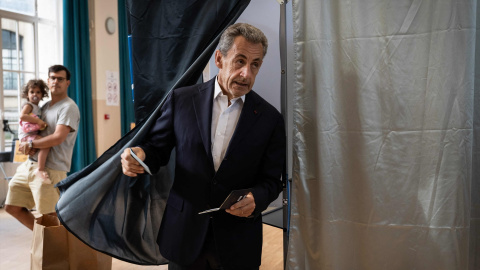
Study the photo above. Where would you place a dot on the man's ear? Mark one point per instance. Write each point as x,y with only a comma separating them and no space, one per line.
218,59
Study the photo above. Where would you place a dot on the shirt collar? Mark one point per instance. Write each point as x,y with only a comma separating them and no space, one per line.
218,92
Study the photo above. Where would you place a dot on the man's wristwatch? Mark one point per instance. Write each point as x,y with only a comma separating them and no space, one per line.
30,144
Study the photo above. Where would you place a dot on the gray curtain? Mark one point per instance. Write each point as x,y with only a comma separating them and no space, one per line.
386,120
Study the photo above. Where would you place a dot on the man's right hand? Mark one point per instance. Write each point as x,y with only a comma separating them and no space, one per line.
23,147
130,166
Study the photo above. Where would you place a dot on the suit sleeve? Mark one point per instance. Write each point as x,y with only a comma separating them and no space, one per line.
269,183
160,140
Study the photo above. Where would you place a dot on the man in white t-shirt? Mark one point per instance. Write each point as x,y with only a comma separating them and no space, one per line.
26,190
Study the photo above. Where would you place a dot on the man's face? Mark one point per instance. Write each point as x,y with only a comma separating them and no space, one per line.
239,67
58,83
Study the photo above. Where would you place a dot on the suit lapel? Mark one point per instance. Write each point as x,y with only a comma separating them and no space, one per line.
203,102
248,117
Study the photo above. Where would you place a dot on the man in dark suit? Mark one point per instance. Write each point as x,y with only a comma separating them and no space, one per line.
227,138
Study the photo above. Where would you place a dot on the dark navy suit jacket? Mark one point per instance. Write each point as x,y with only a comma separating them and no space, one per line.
254,159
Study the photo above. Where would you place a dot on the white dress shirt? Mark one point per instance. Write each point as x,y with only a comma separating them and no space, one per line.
224,121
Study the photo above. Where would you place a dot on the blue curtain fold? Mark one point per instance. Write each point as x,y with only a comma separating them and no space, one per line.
76,42
126,101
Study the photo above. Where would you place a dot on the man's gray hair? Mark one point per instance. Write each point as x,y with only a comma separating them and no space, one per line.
249,32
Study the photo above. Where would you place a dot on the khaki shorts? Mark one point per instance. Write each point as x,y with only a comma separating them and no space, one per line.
27,190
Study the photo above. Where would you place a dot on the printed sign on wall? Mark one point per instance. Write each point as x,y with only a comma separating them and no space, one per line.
113,88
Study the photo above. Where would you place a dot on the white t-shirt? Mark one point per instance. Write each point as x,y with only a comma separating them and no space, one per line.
64,112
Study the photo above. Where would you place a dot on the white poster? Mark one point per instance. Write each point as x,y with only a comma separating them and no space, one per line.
113,88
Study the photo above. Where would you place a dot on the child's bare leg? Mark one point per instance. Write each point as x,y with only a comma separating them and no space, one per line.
42,159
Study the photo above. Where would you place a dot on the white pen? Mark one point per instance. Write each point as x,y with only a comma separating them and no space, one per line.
140,161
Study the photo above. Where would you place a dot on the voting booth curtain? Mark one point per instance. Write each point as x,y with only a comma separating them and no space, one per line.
76,43
127,110
386,135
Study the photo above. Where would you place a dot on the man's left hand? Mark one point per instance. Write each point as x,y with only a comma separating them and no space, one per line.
23,147
243,208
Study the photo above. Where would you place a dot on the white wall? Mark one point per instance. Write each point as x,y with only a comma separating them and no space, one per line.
105,57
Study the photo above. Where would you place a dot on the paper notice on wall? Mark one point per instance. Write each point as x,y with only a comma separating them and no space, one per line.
113,88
